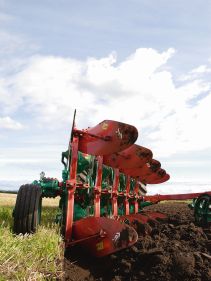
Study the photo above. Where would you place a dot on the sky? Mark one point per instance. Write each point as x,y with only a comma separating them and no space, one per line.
146,63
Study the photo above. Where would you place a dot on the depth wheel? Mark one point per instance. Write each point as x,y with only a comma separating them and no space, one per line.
27,212
201,209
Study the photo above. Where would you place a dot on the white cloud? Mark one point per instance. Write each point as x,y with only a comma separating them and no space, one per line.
178,187
196,73
201,69
140,90
10,124
14,46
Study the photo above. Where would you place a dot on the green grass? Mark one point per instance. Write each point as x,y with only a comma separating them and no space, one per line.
30,257
187,201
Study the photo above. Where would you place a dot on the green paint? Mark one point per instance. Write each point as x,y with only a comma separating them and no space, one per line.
84,198
202,209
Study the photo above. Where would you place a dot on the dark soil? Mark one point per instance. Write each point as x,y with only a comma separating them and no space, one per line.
175,249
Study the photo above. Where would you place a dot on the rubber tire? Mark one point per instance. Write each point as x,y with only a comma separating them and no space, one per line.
27,209
202,220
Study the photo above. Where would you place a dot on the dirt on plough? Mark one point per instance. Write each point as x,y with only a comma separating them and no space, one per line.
175,249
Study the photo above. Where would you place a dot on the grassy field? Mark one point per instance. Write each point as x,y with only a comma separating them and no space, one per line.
30,257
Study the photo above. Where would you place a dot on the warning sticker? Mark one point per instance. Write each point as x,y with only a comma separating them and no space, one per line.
99,246
105,126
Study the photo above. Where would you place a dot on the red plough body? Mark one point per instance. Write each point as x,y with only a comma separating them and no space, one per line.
103,190
112,144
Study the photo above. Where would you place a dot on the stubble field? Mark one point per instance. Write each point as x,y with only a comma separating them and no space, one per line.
176,249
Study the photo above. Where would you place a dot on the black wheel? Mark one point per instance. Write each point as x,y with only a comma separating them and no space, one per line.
201,209
27,212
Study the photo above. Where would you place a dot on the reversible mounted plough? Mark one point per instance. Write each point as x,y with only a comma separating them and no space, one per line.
102,192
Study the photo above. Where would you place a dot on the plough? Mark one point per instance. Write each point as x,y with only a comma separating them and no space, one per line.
102,192
201,204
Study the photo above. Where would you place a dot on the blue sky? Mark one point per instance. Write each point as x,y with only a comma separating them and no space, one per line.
147,63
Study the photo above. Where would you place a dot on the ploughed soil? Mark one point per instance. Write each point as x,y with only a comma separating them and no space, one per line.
174,249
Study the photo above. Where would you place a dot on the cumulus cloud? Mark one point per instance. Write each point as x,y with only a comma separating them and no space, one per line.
201,69
10,124
140,90
196,73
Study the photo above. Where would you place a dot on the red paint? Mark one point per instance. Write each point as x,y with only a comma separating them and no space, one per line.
132,217
71,186
98,184
165,178
127,191
113,144
150,173
154,177
99,234
136,191
106,138
139,172
115,193
158,197
133,157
